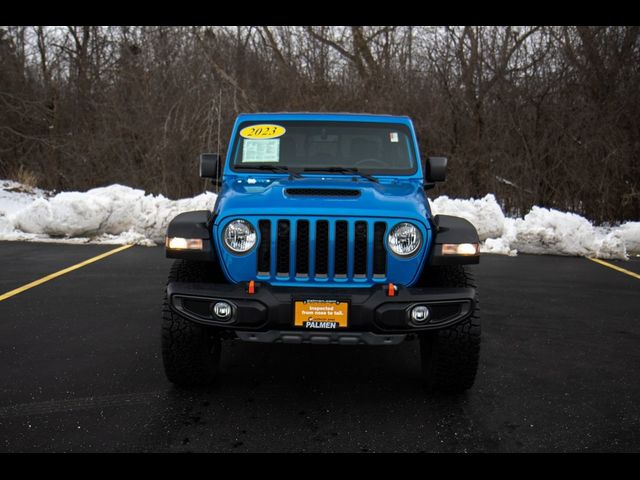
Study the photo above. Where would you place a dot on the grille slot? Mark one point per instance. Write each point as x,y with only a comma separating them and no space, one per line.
322,192
283,248
302,248
264,251
379,252
342,249
322,248
360,250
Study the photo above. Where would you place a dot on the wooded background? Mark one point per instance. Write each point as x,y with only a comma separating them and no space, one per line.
545,116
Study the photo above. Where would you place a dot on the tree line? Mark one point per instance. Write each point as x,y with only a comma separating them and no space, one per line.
538,115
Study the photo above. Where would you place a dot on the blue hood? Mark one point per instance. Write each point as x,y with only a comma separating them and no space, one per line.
267,195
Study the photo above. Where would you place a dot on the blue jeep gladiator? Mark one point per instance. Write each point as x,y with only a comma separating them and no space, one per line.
322,234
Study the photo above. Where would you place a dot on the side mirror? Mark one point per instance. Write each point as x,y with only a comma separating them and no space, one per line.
209,163
436,169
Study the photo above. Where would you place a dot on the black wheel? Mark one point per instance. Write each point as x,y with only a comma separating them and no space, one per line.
450,356
190,352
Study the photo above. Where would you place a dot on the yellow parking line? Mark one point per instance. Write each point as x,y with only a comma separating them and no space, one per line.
40,281
615,267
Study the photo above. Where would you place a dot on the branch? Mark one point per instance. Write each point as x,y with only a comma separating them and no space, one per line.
342,51
223,74
271,41
332,44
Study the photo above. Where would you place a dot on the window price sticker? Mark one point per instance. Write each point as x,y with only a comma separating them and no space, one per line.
261,150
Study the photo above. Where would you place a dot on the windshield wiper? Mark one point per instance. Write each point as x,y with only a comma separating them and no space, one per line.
271,168
342,170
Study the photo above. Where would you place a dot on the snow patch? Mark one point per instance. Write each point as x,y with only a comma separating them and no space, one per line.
15,196
499,246
484,213
630,233
542,231
112,215
548,231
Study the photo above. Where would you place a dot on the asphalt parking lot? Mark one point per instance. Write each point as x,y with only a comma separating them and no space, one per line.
81,369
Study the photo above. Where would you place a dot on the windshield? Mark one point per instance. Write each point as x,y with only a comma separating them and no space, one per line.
343,147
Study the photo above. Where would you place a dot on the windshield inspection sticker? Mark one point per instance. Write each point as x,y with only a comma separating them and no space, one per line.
393,137
262,131
261,150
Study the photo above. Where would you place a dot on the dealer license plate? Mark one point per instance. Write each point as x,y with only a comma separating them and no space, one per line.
321,314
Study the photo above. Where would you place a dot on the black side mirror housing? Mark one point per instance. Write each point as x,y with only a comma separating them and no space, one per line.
209,166
435,171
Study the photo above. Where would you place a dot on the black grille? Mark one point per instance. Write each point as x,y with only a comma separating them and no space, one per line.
302,248
323,192
352,241
283,247
342,248
322,247
379,252
360,249
264,252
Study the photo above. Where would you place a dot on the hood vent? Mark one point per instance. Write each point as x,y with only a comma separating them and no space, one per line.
322,192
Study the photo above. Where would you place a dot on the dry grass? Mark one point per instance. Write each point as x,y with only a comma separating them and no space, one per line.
25,177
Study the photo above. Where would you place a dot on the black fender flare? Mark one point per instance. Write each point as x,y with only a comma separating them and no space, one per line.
450,229
196,224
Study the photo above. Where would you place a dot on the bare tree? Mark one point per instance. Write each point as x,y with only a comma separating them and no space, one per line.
537,115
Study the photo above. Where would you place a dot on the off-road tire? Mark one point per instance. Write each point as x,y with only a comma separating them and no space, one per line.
190,352
450,356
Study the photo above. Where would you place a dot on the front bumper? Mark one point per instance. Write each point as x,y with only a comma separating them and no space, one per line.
267,314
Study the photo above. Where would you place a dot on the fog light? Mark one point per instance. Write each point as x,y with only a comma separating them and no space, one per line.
222,310
419,314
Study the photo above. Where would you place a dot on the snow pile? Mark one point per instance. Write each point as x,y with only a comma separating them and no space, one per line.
485,213
541,231
15,196
117,214
545,231
630,233
499,246
113,214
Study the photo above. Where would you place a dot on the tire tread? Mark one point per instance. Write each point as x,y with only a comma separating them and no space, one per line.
190,352
450,356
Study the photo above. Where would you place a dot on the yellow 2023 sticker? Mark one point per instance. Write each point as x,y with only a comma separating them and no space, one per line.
262,131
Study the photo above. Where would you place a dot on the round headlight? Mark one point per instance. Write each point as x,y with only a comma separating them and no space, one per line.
404,239
239,236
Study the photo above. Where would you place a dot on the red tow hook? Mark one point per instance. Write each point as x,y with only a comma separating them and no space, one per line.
391,290
251,289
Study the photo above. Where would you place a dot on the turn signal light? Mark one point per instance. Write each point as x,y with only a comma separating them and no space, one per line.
460,248
179,243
